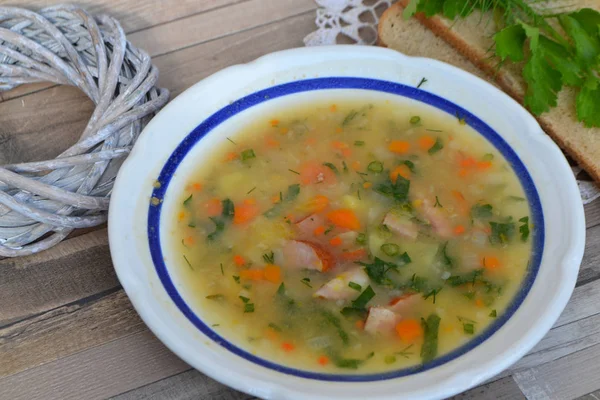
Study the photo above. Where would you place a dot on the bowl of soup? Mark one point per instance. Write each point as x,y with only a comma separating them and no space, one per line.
346,222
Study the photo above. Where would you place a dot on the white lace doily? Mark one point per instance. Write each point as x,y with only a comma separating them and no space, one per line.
355,21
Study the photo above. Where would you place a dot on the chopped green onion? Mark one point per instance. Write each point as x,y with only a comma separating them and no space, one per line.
469,328
236,279
187,201
390,249
332,167
359,143
493,314
361,238
390,359
248,154
415,120
355,286
375,166
244,299
248,308
437,146
488,157
218,297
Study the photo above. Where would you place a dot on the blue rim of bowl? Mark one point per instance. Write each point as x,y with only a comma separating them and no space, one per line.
334,83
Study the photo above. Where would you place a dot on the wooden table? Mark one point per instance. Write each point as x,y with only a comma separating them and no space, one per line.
67,330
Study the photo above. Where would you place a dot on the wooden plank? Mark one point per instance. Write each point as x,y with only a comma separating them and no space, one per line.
218,23
590,265
22,120
133,16
583,304
590,396
188,385
74,269
97,373
592,214
566,378
67,330
502,389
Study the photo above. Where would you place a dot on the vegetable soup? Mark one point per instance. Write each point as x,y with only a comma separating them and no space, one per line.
352,237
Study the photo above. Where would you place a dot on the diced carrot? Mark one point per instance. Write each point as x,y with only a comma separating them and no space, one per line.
426,142
342,147
197,186
311,141
462,172
399,146
354,255
458,195
491,262
336,241
483,165
239,260
333,108
468,162
319,230
344,218
272,273
314,172
367,185
232,156
317,204
180,216
479,302
245,212
355,165
284,130
271,334
214,207
252,274
189,241
274,122
336,144
286,346
450,137
459,229
249,201
271,143
323,360
360,324
409,330
401,170
338,130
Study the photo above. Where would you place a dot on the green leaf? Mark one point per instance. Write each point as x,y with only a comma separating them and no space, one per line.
458,280
431,327
410,9
332,167
502,233
397,190
563,61
377,270
248,308
355,286
335,321
362,300
431,7
481,211
443,255
588,102
454,8
248,154
587,45
589,20
510,42
543,83
187,201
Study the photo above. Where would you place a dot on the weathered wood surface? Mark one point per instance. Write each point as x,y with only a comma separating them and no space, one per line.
67,330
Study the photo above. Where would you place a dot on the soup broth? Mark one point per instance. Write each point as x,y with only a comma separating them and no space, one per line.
349,237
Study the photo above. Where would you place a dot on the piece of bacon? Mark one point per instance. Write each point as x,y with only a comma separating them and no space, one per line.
404,303
401,226
299,254
381,320
338,289
437,219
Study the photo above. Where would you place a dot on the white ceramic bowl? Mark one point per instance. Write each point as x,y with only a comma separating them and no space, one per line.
170,146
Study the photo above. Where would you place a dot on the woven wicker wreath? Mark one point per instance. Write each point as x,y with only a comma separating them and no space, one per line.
42,202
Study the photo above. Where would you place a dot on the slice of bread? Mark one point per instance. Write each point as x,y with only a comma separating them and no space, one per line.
440,38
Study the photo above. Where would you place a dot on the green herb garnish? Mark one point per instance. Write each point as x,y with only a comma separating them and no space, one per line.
481,211
397,190
236,278
248,155
349,117
437,203
188,262
437,146
493,314
187,201
217,297
269,257
362,299
524,228
244,299
423,81
332,167
359,143
375,166
377,270
355,286
415,120
431,327
306,282
248,308
502,233
361,238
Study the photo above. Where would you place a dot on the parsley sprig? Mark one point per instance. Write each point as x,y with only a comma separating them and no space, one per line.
560,48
